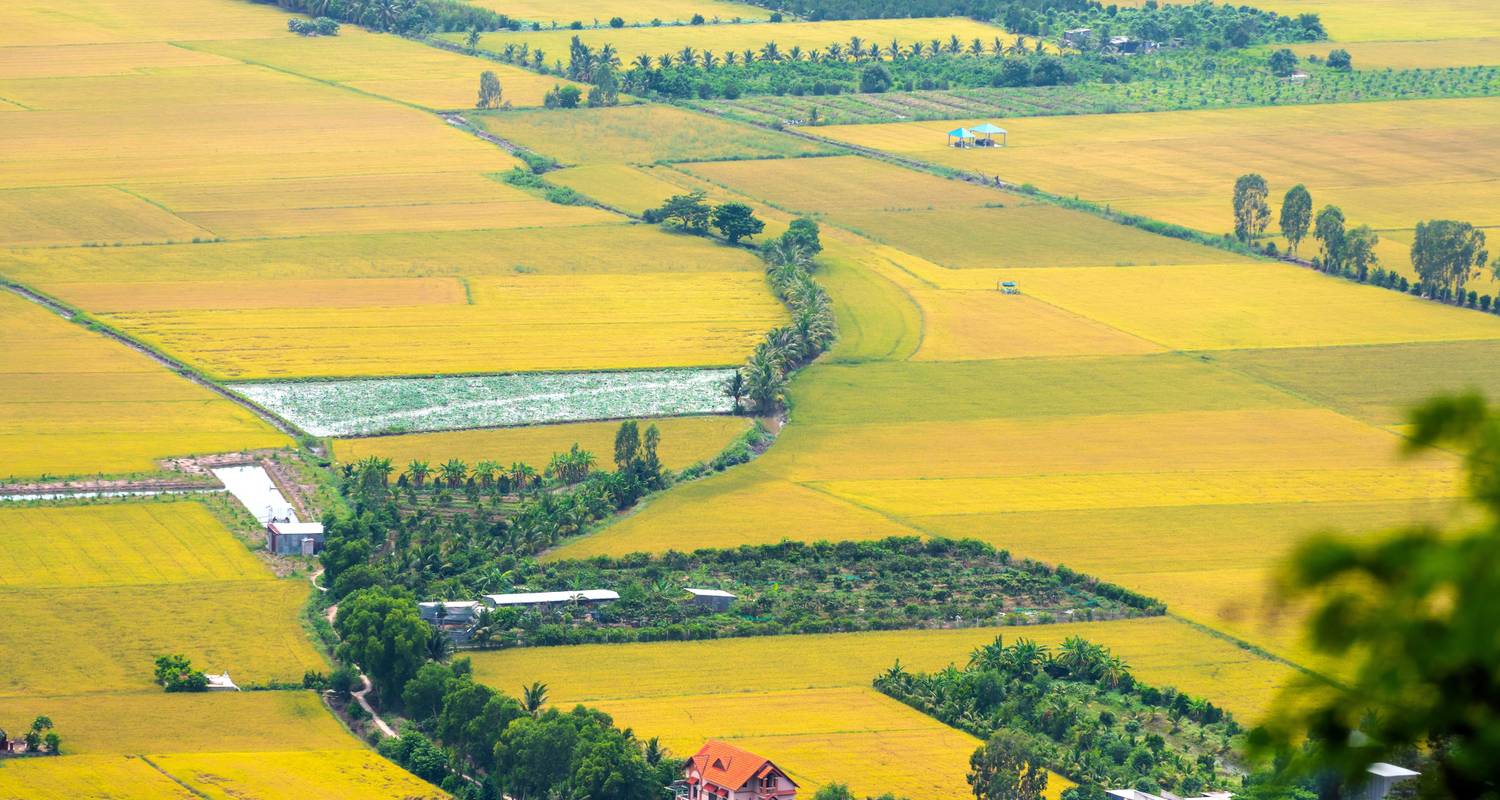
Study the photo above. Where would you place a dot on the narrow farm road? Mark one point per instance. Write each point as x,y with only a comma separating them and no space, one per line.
365,704
313,579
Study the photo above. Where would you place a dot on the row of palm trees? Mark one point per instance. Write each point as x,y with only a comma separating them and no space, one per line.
856,51
760,385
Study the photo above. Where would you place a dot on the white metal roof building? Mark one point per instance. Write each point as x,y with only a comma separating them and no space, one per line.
709,593
550,598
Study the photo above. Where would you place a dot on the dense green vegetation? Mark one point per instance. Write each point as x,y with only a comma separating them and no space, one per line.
39,739
442,537
794,587
1081,712
410,17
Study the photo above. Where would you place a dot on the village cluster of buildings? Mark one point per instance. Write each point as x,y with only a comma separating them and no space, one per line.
457,618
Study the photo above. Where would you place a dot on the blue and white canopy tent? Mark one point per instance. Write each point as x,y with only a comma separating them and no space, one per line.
989,131
960,137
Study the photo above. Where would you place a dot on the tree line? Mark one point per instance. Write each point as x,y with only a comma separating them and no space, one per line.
39,739
1445,254
797,588
1077,710
478,743
406,17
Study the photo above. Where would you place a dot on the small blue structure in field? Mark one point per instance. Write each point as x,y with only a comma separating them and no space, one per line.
960,137
1009,287
988,131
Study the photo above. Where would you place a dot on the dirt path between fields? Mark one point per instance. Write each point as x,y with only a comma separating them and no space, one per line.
170,363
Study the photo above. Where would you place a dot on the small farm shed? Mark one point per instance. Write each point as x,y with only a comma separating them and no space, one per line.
449,612
549,600
220,683
988,131
1383,778
721,771
294,538
716,599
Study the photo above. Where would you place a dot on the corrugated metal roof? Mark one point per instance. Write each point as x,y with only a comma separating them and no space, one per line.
1385,770
709,593
294,528
535,598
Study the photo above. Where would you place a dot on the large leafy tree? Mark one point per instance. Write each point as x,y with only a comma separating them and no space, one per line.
381,631
1414,615
1004,768
1447,254
1251,211
1296,215
1328,229
736,221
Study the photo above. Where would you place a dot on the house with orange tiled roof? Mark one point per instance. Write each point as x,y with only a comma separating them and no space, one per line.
721,771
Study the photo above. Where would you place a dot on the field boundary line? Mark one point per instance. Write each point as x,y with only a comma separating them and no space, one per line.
181,369
1253,649
171,777
144,199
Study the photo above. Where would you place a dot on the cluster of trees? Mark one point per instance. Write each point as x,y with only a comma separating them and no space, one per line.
475,742
792,587
439,530
176,674
1201,23
408,17
1079,711
322,26
39,738
1446,254
691,213
760,385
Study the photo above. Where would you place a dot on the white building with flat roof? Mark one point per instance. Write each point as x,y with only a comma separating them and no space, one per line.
550,599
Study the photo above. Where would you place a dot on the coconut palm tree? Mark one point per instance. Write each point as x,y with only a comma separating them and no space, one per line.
453,472
709,59
687,57
856,47
794,54
771,52
664,61
836,53
642,61
418,470
731,58
735,389
533,697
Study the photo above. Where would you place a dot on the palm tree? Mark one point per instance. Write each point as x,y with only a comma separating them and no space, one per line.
687,57
916,49
664,61
856,47
935,47
894,51
454,472
485,471
654,752
764,380
609,55
642,61
522,475
730,58
836,52
976,47
439,646
794,54
1018,47
735,389
954,45
748,56
533,697
709,59
770,52
418,470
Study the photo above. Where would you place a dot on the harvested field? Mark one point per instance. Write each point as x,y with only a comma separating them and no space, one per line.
684,441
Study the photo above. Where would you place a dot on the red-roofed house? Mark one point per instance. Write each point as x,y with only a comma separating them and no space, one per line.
721,771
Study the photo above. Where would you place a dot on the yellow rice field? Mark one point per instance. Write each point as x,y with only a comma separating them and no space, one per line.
630,42
125,544
93,214
641,134
684,441
37,23
153,721
77,404
1179,166
1424,54
294,775
71,777
389,66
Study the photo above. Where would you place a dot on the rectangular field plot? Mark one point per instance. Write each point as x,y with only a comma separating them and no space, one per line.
593,250
641,135
247,627
79,61
388,66
1381,20
514,324
294,775
77,403
684,441
1377,383
71,777
87,215
153,721
1421,54
120,544
37,22
985,324
1212,307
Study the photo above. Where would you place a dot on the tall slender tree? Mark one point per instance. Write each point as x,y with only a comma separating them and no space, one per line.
1296,215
